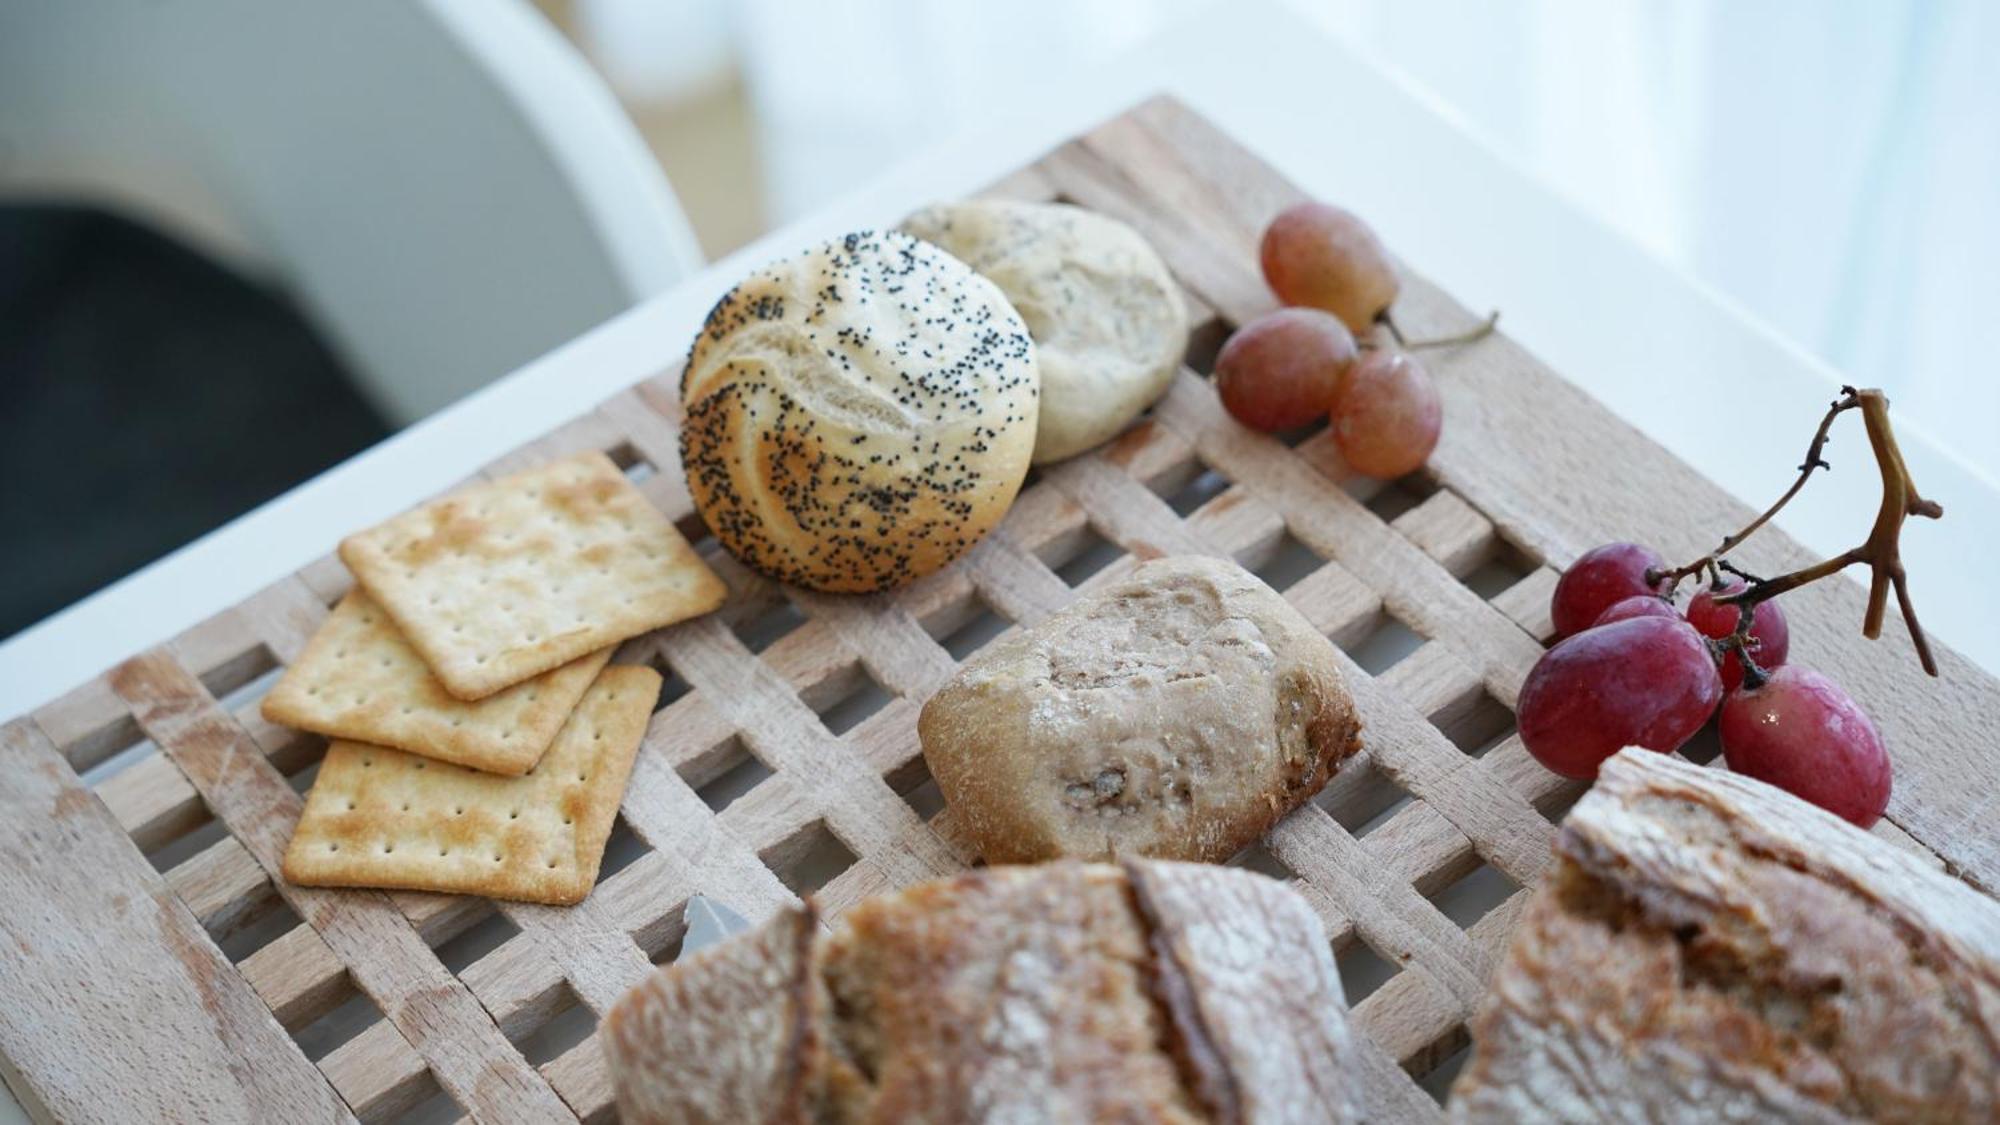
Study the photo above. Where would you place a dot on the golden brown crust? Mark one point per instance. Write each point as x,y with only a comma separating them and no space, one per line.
1007,994
860,415
1708,948
1178,714
730,1024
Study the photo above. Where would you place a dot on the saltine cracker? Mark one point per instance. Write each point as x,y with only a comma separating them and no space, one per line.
382,818
506,580
358,679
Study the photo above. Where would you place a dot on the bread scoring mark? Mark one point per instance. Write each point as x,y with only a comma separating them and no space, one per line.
847,400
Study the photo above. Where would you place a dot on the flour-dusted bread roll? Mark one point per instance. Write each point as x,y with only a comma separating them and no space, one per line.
1708,948
859,415
1109,326
1178,713
1158,992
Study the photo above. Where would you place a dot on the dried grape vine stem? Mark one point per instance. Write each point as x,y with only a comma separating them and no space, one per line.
1881,551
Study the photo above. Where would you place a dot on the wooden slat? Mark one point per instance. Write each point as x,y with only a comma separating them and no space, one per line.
382,951
101,953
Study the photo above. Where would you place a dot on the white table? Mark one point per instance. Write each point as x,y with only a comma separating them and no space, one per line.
1648,341
1651,343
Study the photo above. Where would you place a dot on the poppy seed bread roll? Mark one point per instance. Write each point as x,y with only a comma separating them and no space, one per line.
859,415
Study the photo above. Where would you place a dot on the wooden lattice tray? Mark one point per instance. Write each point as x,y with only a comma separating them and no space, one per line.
154,961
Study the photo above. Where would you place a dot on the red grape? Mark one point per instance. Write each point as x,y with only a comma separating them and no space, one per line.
1800,732
1647,681
1638,605
1770,637
1386,415
1280,371
1603,576
1318,255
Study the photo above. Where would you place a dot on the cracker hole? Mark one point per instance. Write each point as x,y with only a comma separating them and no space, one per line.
1384,645
1474,895
808,859
847,712
1093,554
1288,562
1362,971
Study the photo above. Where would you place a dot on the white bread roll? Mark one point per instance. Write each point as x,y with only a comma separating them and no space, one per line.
859,415
1109,326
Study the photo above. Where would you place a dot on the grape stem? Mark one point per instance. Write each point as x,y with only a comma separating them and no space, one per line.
1881,551
1478,332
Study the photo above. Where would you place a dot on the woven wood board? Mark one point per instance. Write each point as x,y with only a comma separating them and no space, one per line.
156,966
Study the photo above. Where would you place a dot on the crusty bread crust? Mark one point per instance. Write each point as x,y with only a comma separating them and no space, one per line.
1178,713
1146,992
1711,949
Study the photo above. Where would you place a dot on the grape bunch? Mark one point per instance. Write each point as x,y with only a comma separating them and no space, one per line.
1294,366
1630,669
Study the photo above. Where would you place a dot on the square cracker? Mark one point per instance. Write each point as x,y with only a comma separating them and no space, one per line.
359,679
382,818
506,580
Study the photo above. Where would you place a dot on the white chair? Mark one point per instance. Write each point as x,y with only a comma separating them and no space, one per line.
445,185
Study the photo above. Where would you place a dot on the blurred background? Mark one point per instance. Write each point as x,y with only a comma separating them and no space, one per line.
240,241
